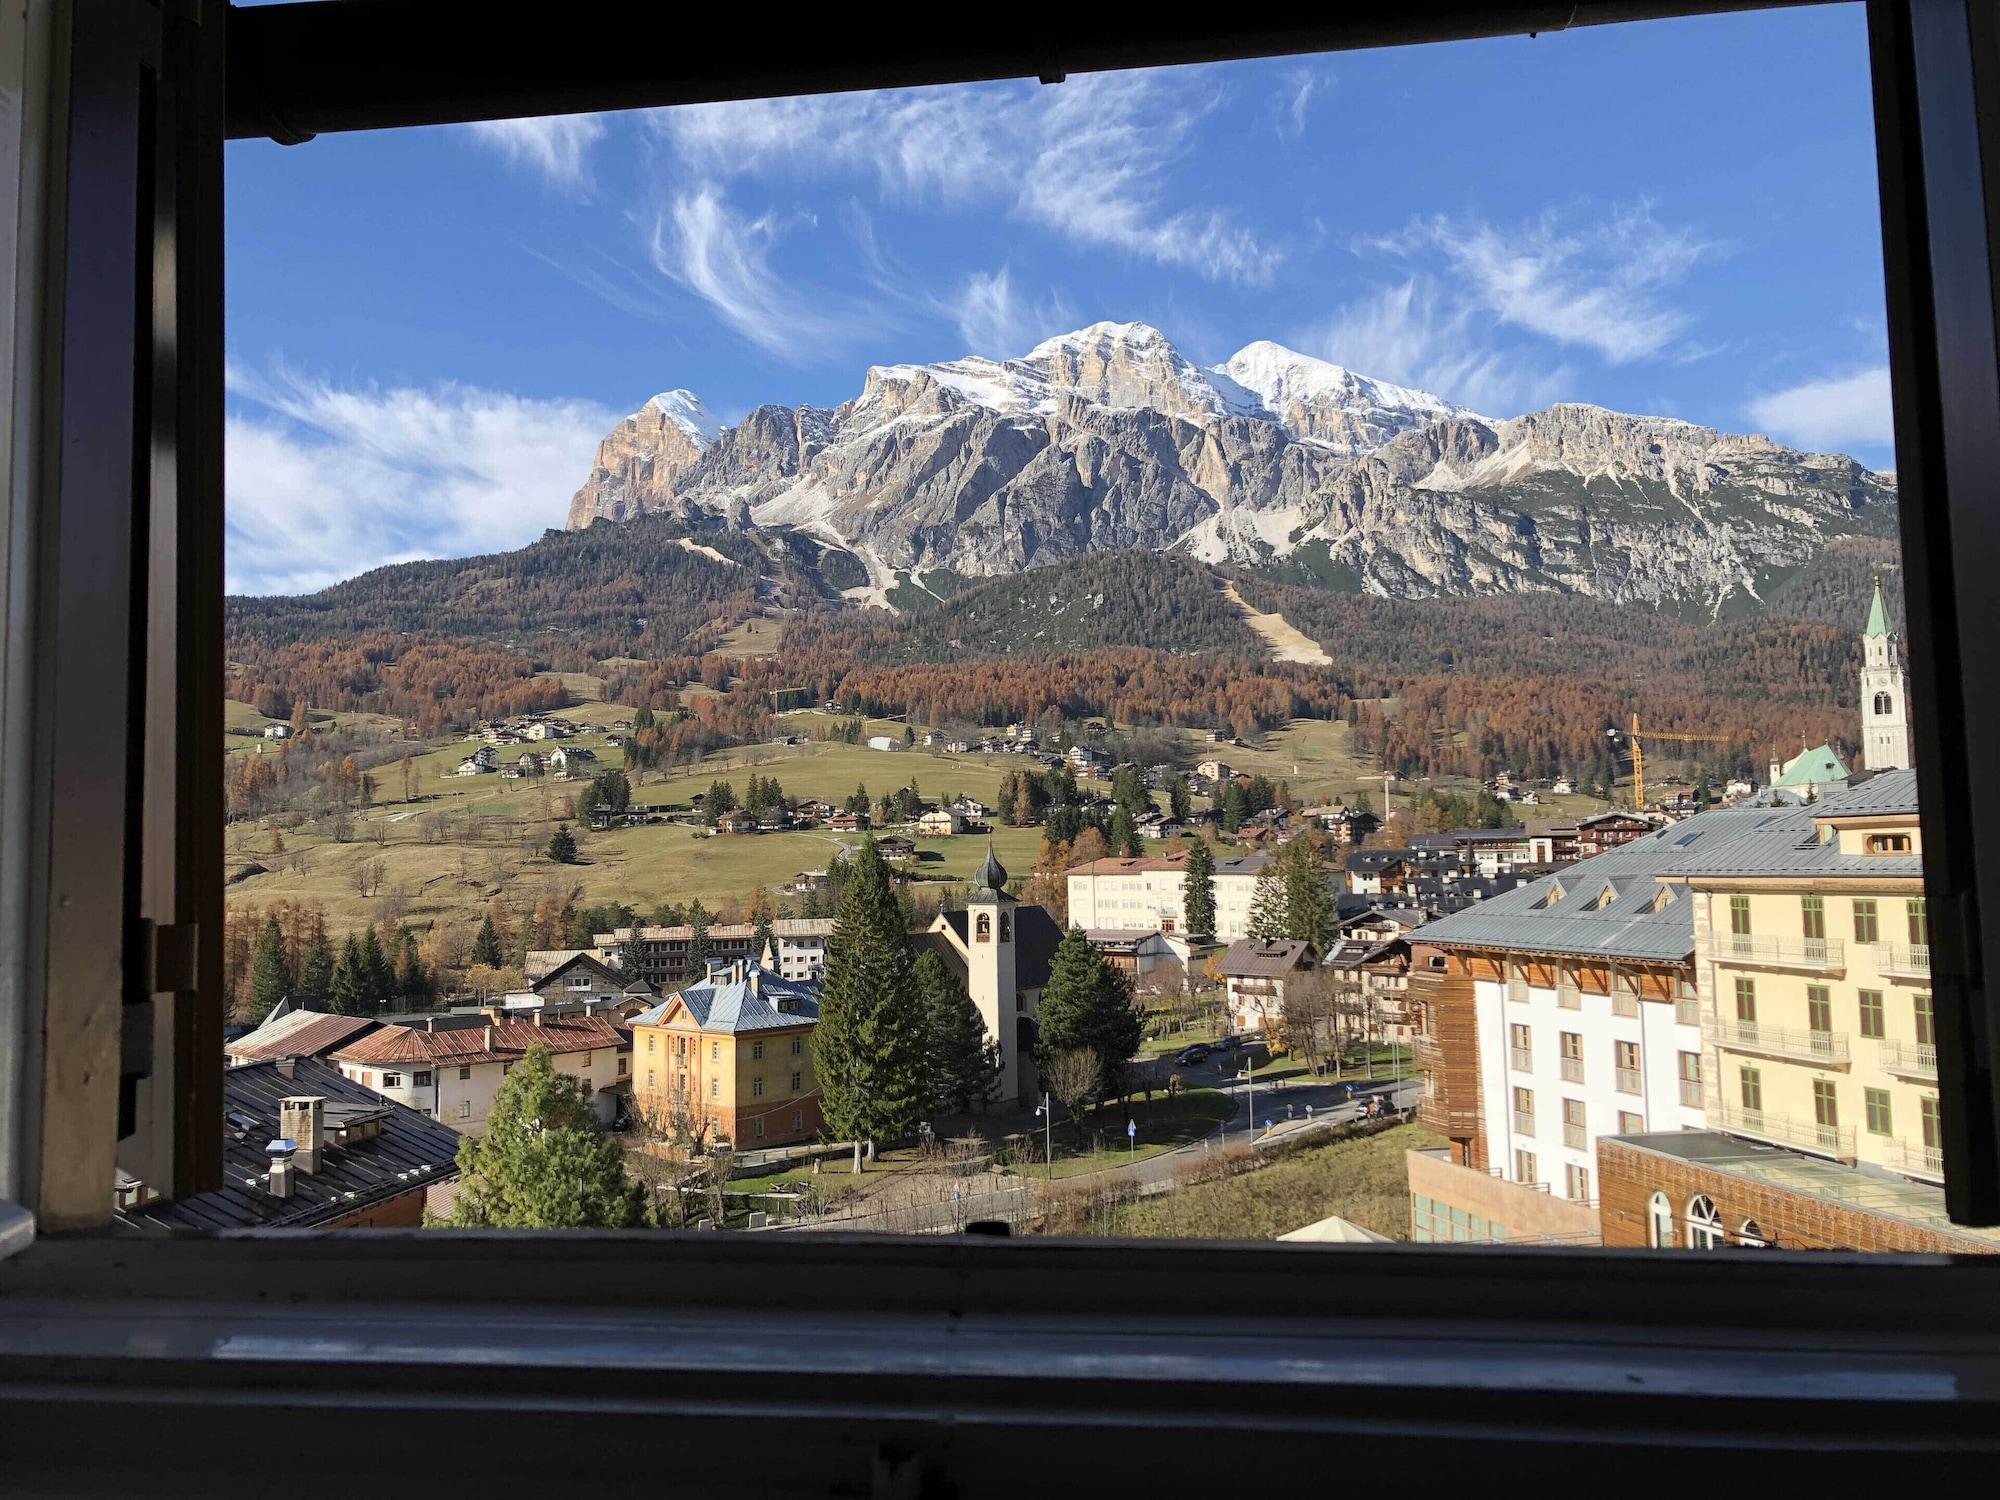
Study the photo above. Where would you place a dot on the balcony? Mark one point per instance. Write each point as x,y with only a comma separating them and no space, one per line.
1904,961
1572,1070
1813,955
1627,1081
1908,1059
1517,989
1916,1159
1828,1048
1521,1059
1624,1003
1785,1130
1524,1122
1687,1011
1574,1137
1691,1093
1568,996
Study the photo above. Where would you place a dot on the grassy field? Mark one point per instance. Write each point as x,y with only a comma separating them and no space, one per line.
1164,1125
1362,1180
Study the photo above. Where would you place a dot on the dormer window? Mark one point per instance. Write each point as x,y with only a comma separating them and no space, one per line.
1888,843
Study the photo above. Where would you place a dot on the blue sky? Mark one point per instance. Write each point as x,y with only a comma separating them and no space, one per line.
429,330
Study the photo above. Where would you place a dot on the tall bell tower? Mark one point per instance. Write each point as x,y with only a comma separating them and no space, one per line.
1885,723
990,965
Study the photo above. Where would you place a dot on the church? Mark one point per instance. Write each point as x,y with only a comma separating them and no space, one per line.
1000,951
1885,720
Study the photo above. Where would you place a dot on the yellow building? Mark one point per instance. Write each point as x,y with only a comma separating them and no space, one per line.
733,1054
1812,960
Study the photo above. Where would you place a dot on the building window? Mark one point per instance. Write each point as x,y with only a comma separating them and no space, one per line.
1578,1183
756,1049
1521,1049
1573,1126
1704,1224
422,1080
798,1046
1007,926
465,1075
1814,912
1871,1012
650,1040
1524,1111
1864,920
681,1047
1660,1223
1920,923
1751,1237
392,1080
1626,1056
1888,843
1752,1083
758,1126
649,1079
798,1119
757,1087
1746,1000
715,1088
1739,915
1631,1124
624,1066
715,1052
681,1086
1524,1168
1572,1055
1826,1104
1926,1020
465,1109
1876,1106
983,928
1819,1008
795,1083
1933,1126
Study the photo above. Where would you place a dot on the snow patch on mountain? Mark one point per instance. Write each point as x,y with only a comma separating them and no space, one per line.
684,409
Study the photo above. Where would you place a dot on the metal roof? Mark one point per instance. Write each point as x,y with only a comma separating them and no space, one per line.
299,1033
760,1000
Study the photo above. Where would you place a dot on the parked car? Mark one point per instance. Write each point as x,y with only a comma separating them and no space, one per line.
1189,1056
1228,1043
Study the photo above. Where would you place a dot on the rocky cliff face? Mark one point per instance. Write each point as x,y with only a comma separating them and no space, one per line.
1110,438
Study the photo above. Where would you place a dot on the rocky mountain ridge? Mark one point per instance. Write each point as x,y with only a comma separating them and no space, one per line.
1109,438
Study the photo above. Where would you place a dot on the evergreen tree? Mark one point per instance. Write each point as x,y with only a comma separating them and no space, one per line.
1267,905
1198,890
413,980
378,974
271,980
1124,837
962,1065
486,945
349,995
1178,802
869,1045
1087,1003
1308,902
761,935
562,845
699,918
1235,807
857,801
544,1161
316,968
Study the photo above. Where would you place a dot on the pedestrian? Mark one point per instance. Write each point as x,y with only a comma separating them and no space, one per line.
1350,1093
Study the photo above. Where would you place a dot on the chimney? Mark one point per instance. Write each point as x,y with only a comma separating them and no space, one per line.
280,1152
489,1038
288,1067
756,981
538,1015
303,1119
431,1024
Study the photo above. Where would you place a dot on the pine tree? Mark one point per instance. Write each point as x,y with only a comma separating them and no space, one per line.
1124,836
869,1045
413,980
762,938
698,918
1178,804
378,974
486,945
1235,808
1308,903
316,968
1198,890
562,845
544,1161
962,1064
349,995
1267,905
1087,1003
271,981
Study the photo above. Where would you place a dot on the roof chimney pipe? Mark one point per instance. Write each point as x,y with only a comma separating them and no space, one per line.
280,1180
489,1038
303,1119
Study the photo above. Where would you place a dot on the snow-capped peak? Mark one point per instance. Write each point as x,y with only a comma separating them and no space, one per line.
1099,335
684,409
1278,377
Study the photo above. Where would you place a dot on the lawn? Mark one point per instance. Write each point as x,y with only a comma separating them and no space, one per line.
1362,1180
1164,1125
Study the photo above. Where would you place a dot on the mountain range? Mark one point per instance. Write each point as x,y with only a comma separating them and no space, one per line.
1109,438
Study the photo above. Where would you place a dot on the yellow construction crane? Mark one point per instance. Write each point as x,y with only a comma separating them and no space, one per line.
1639,754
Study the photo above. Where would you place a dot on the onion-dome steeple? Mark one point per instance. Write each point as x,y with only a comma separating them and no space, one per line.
991,874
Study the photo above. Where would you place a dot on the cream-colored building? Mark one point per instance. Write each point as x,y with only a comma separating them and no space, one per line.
1812,962
1148,893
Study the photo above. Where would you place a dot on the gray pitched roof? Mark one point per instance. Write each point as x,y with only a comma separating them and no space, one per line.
759,1001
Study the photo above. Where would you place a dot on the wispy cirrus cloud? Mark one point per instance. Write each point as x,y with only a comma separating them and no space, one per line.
996,318
1087,160
1418,334
1600,284
1834,413
555,146
1293,103
324,481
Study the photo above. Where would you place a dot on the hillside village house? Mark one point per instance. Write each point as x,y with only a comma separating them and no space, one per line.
481,761
732,1053
305,1148
451,1067
1147,892
1000,951
293,1030
666,959
940,823
567,761
583,977
1138,952
1255,975
1608,830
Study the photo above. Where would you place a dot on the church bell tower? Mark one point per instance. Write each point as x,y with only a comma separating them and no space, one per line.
1885,723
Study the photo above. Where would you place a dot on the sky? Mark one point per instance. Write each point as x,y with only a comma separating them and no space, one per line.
429,330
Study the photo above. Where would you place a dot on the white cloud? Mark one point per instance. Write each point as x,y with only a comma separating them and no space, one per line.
557,146
1414,334
323,483
723,258
996,320
1597,285
1835,414
1087,159
1293,102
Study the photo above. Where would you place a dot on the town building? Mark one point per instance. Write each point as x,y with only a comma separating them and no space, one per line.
1608,830
731,1053
940,823
1255,975
583,977
666,955
296,1030
1000,951
304,1147
1137,952
451,1067
1885,722
567,761
1147,892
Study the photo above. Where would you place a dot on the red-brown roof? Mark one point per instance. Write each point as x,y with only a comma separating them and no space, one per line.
497,1041
312,1036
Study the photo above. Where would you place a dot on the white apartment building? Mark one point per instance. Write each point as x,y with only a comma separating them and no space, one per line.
1147,894
452,1071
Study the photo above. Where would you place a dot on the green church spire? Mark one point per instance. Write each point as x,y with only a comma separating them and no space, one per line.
1878,613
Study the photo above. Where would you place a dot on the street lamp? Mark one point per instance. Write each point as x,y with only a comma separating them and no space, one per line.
1049,1129
1250,1081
